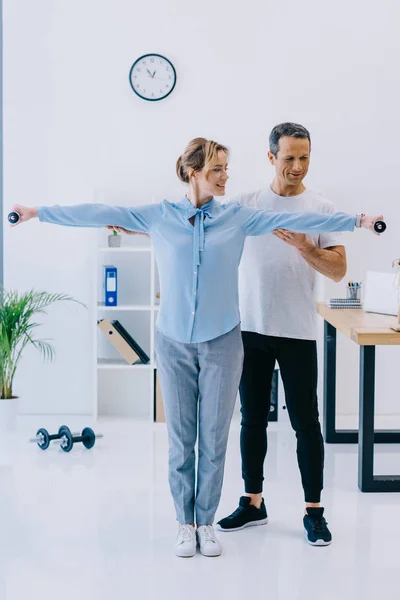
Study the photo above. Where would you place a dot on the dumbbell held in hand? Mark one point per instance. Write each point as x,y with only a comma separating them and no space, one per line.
88,439
379,226
13,217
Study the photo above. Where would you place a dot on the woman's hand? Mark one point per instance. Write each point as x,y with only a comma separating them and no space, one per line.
123,230
368,222
25,213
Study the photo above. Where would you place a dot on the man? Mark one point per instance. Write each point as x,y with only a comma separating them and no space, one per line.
277,281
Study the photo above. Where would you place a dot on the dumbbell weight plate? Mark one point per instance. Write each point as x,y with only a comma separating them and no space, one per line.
62,429
379,226
89,438
46,439
13,217
68,435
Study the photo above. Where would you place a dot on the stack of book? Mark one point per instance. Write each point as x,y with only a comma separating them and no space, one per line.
123,342
344,303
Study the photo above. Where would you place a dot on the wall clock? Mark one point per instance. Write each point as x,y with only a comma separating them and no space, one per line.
152,77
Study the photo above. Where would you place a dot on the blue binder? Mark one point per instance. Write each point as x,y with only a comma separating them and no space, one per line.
110,279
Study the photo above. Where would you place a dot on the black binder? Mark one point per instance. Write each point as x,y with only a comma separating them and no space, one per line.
129,340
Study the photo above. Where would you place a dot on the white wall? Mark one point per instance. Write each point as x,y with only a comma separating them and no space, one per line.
74,132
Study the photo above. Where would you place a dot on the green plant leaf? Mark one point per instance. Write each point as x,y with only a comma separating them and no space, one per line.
16,330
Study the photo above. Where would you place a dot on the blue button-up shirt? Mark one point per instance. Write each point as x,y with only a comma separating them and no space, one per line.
197,263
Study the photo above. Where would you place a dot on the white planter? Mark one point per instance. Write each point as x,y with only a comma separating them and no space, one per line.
8,414
114,241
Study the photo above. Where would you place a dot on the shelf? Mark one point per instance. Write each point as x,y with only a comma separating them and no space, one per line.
114,379
101,306
105,363
124,249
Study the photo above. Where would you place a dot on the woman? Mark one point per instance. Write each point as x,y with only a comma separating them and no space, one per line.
198,245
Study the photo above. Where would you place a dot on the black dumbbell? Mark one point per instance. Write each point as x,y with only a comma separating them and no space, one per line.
13,217
88,439
43,437
379,226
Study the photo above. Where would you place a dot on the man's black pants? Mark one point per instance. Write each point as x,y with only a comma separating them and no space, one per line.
297,360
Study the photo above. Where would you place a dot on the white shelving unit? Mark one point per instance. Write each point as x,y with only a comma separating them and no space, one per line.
101,306
124,390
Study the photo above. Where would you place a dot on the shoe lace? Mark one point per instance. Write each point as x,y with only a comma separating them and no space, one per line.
319,524
207,533
185,533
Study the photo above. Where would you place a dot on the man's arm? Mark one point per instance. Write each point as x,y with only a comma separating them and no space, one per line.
330,262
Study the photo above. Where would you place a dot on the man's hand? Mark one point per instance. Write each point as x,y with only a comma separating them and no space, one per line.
25,212
123,230
298,240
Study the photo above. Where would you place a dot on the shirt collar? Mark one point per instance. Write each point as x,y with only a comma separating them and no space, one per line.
188,207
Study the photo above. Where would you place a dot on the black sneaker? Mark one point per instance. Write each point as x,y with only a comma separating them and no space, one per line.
316,530
246,515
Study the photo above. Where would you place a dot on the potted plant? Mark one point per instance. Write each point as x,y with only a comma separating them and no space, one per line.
17,328
114,240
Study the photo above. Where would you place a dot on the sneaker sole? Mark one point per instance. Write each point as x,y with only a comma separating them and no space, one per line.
210,555
185,555
318,542
249,524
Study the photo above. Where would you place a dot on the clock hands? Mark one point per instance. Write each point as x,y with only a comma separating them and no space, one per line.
151,74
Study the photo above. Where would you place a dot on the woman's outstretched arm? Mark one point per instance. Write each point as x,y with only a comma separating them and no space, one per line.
258,222
138,218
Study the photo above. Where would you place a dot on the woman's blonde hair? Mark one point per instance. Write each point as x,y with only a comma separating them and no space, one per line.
199,154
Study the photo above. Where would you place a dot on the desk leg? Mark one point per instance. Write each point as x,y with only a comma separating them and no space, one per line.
366,419
344,436
367,482
329,382
330,434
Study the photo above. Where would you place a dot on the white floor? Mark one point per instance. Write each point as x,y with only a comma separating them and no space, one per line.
100,524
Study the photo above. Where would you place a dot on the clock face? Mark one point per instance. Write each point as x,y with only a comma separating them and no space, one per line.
152,77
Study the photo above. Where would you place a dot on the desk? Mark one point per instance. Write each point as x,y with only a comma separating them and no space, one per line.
368,330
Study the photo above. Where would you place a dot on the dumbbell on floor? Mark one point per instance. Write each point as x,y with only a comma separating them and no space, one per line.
43,437
88,439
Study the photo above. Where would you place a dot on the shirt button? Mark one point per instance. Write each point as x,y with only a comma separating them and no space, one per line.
195,272
192,313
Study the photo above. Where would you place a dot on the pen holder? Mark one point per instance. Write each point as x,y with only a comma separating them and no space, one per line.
354,292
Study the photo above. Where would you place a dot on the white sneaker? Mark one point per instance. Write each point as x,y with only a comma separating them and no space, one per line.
208,541
185,545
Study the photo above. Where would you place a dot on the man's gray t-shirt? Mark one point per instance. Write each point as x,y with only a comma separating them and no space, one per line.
276,284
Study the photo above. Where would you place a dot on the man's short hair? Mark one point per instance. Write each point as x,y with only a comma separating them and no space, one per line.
293,130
